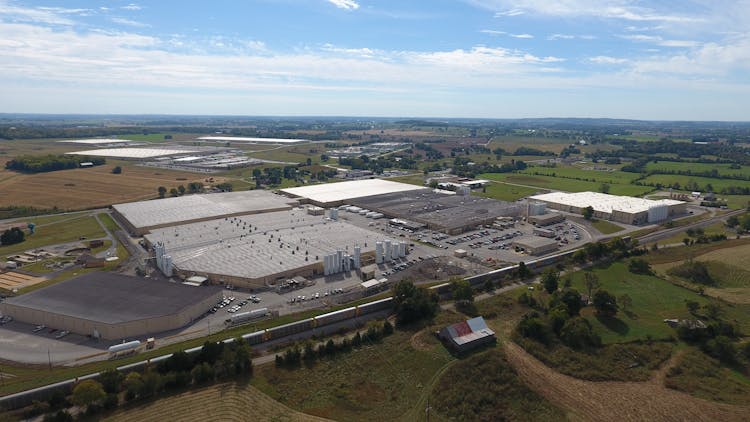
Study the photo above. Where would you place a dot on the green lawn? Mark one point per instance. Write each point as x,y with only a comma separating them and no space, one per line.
415,179
703,182
605,227
675,166
62,231
504,192
570,172
653,300
568,185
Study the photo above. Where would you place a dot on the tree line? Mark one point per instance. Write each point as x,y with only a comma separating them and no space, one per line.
46,163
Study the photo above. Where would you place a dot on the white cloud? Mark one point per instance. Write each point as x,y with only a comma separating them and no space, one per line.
555,37
655,39
607,60
615,9
128,22
132,6
495,32
345,4
49,16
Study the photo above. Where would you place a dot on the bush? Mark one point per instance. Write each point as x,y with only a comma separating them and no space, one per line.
12,236
605,303
639,266
578,334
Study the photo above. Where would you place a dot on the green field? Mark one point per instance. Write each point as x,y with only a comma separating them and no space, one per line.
62,231
605,227
703,376
568,185
653,301
504,192
600,176
672,166
716,185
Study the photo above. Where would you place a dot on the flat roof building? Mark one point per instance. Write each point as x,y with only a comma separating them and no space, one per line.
254,251
623,209
468,335
535,245
333,194
113,306
546,219
449,213
136,153
141,217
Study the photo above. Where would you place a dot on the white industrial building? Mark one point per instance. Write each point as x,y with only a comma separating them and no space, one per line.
135,153
143,216
623,209
256,250
332,194
251,140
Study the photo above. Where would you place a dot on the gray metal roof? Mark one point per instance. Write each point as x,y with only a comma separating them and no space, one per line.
113,298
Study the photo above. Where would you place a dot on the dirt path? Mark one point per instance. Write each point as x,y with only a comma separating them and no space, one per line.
614,400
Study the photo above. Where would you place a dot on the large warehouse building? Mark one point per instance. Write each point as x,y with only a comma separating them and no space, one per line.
113,306
333,194
444,212
623,209
255,250
144,216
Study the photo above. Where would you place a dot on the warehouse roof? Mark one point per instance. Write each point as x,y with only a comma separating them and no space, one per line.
260,245
134,152
251,140
603,202
342,191
195,207
96,141
113,298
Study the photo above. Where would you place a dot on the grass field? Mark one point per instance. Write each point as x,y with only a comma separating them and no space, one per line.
63,231
703,182
88,188
703,376
225,402
485,387
673,166
570,172
568,185
505,192
416,179
605,227
347,387
653,300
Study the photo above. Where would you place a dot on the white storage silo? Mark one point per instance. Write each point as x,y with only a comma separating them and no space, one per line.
378,252
387,255
357,254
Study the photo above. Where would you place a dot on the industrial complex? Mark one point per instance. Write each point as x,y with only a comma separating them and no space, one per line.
141,217
623,209
112,306
334,194
255,251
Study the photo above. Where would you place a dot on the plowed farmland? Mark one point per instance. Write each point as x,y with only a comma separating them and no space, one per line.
88,188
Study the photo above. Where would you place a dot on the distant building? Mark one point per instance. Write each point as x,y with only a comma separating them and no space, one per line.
467,335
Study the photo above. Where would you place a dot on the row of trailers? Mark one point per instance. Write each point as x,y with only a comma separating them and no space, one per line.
25,398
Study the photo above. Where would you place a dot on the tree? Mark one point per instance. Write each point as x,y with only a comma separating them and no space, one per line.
173,192
605,303
111,380
733,221
489,286
692,306
162,191
12,236
181,189
578,334
713,310
523,271
462,291
558,316
591,281
117,170
133,385
639,266
551,281
588,212
604,188
572,300
88,392
412,303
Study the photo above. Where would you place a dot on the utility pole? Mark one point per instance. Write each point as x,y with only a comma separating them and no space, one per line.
49,359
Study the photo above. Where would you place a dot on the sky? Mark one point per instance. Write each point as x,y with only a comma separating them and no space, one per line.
637,59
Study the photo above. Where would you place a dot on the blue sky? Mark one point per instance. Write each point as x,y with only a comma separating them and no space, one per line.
665,60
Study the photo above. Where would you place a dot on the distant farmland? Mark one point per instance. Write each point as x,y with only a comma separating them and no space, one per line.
87,188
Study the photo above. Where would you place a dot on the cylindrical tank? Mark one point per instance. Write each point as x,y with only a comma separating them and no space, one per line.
339,260
131,345
378,252
388,252
334,213
357,255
